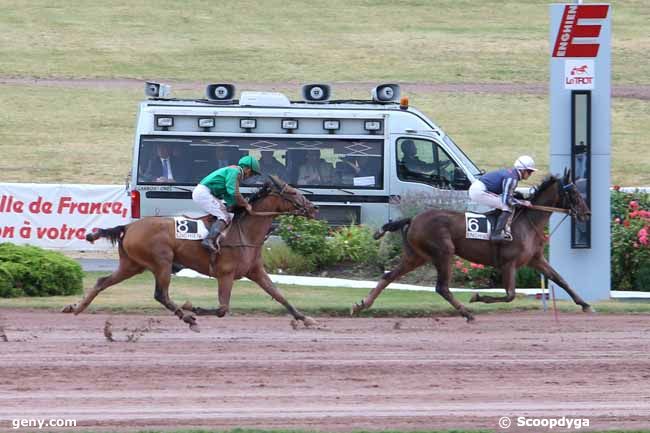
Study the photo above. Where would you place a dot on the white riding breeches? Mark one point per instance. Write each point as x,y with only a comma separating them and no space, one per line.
478,193
210,204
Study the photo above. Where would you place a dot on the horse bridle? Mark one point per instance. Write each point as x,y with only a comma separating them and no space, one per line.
565,189
299,209
564,197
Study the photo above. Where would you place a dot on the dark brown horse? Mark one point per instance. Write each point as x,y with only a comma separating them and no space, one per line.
435,236
150,243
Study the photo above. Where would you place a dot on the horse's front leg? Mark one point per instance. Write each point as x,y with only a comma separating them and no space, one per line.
508,274
545,268
259,276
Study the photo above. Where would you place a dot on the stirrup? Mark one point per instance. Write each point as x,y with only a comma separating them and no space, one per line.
209,244
502,237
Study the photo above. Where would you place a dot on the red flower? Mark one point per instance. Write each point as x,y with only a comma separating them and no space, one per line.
626,223
465,270
616,187
634,205
459,264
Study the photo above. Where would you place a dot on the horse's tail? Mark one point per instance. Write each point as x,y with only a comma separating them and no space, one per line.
392,226
114,235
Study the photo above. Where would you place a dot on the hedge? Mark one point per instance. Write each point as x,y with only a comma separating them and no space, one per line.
33,271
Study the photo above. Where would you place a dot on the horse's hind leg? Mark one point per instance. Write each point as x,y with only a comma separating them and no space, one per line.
225,290
409,262
443,266
126,269
545,268
162,275
508,272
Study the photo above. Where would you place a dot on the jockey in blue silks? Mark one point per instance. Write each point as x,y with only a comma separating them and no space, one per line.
496,188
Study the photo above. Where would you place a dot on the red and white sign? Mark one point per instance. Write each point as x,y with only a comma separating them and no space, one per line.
60,216
573,27
579,74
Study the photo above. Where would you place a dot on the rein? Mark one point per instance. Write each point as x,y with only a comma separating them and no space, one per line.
550,209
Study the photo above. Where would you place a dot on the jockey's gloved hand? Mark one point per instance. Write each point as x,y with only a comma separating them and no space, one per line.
524,203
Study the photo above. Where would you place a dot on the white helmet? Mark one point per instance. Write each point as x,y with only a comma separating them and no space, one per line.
525,162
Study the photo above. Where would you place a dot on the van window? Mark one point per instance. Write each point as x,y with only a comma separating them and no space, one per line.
424,161
314,163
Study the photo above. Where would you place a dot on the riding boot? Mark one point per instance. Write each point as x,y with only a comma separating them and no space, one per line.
502,229
209,242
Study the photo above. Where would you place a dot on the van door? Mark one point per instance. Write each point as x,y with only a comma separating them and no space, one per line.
422,165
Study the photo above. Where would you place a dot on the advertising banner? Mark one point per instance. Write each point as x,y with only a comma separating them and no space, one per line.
60,216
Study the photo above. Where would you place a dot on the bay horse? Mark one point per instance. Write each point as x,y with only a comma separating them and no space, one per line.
150,243
435,236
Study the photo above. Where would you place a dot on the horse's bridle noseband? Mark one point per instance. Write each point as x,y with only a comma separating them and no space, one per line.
299,209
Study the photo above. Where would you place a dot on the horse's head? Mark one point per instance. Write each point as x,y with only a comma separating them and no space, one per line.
570,198
561,192
287,198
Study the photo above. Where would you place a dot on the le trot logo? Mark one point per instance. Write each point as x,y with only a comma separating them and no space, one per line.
579,21
579,74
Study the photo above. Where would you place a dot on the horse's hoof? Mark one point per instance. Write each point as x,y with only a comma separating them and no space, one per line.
195,327
308,321
294,324
221,311
357,308
68,308
469,318
588,309
187,306
475,298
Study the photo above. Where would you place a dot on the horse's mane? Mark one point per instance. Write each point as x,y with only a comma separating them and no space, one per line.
547,182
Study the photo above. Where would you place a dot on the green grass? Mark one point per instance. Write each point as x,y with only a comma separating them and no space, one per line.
136,295
275,40
78,135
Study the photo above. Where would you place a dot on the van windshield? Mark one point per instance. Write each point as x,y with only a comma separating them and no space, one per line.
303,162
451,145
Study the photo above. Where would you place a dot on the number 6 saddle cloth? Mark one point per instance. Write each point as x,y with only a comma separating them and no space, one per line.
479,226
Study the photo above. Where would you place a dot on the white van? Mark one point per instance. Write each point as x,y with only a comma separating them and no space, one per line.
349,156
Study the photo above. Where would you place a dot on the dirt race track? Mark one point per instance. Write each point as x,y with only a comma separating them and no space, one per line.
356,373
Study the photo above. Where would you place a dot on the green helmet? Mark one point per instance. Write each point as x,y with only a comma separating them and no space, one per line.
252,163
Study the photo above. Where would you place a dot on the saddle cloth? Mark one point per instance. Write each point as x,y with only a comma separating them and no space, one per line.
479,226
187,228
